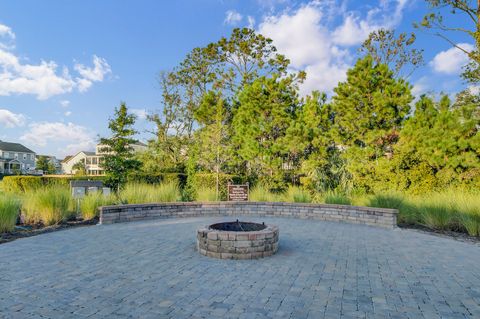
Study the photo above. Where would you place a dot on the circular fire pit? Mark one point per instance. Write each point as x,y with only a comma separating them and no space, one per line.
237,240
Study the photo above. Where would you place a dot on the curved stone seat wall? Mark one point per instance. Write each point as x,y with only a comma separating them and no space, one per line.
381,217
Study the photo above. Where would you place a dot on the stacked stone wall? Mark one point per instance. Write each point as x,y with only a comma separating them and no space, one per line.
381,217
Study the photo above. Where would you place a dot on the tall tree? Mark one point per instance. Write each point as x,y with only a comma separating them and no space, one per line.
445,138
212,137
368,110
119,159
468,24
264,112
45,165
397,52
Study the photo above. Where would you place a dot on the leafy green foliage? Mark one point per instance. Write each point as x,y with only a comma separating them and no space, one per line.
260,122
45,165
118,159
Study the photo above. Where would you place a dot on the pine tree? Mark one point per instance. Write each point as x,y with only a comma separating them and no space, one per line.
119,159
368,111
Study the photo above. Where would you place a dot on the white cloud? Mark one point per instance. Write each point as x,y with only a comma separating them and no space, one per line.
10,119
422,86
97,73
44,79
64,103
309,39
251,22
73,137
140,113
452,60
7,36
68,113
232,17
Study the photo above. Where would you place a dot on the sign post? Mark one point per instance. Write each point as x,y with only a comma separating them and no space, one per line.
238,193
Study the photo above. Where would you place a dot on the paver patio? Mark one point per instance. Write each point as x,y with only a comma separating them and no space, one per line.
151,269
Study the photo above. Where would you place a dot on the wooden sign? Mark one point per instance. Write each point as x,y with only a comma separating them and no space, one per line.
238,193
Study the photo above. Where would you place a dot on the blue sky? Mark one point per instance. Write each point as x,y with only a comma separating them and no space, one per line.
65,65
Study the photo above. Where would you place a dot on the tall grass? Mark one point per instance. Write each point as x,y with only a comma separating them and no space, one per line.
9,210
263,194
297,194
206,195
336,198
447,210
49,205
136,193
89,204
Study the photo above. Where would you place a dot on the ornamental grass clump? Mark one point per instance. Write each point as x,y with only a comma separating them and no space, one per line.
90,204
49,205
206,195
297,194
138,193
9,210
263,194
336,198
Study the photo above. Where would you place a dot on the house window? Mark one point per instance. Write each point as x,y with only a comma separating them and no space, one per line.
15,155
31,157
6,154
24,156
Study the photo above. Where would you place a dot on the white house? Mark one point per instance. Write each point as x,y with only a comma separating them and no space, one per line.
92,160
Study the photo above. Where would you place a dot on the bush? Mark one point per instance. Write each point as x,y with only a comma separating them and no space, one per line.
49,205
157,178
136,193
9,210
337,198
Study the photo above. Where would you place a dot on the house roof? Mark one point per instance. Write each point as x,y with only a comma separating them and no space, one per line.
14,147
67,158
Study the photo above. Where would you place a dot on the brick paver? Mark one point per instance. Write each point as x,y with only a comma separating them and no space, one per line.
150,269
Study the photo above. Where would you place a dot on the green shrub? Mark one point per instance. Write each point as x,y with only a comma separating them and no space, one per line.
157,178
337,198
9,210
206,195
49,205
297,194
136,193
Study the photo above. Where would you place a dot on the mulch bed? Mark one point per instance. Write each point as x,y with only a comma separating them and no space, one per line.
460,236
22,231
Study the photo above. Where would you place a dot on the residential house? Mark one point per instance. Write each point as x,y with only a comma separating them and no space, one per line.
92,160
53,160
16,158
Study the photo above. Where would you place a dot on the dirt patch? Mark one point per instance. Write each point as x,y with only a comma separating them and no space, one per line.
22,231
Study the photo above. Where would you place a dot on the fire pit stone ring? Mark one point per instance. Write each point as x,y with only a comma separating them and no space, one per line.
238,240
